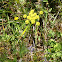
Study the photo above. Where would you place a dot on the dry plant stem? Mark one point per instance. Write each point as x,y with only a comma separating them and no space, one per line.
2,23
32,56
33,36
56,15
29,37
45,27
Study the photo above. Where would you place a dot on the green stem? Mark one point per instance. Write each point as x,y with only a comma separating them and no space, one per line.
36,35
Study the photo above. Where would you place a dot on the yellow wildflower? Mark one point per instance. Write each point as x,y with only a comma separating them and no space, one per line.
32,21
41,12
16,18
33,15
37,23
27,21
32,11
37,16
30,14
33,18
24,16
28,17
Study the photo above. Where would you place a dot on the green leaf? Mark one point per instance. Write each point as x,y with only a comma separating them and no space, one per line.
61,34
45,11
45,0
57,47
60,14
58,54
50,10
52,42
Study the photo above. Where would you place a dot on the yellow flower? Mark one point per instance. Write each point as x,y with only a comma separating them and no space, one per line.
37,16
33,18
41,12
33,15
28,17
24,16
27,21
16,18
32,21
37,23
30,14
32,11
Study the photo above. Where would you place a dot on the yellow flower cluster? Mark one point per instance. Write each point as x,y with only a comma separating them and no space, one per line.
32,17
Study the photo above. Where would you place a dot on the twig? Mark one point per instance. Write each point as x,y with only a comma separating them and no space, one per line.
2,24
56,15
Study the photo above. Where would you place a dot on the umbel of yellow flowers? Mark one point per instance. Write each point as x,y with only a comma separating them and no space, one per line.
32,17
